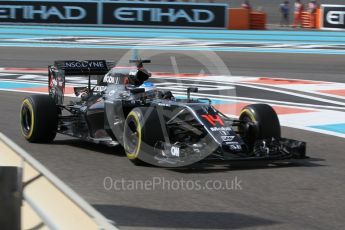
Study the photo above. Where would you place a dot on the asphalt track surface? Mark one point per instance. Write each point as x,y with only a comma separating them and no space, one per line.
304,195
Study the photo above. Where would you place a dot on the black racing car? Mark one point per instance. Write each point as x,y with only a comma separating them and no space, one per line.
152,125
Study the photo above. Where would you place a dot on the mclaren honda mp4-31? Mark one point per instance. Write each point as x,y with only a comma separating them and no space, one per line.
122,107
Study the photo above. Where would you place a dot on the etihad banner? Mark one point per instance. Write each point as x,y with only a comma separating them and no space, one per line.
165,14
333,17
119,13
71,12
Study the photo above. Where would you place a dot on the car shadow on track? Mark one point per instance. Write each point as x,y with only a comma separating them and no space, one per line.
201,167
249,165
135,217
117,150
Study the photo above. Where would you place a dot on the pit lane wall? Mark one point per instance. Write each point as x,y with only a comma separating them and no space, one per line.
47,203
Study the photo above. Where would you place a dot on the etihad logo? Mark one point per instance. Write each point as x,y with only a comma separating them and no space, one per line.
335,17
159,15
42,12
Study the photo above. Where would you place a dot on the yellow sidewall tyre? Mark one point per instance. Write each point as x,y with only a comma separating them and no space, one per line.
133,151
27,120
141,131
265,123
38,118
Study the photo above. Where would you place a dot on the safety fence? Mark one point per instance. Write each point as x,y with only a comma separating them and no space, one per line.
31,197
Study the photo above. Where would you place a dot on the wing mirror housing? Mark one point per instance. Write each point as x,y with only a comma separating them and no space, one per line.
191,90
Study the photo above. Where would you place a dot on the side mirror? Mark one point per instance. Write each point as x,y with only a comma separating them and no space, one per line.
139,62
193,90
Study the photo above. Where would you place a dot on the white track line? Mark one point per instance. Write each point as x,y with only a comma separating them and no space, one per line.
266,89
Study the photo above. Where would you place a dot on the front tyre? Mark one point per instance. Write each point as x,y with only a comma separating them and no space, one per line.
39,118
141,132
260,121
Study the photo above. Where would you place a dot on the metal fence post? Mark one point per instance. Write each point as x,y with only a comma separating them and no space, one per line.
10,198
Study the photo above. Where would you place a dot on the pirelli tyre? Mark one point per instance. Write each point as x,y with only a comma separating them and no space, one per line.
260,121
38,118
142,131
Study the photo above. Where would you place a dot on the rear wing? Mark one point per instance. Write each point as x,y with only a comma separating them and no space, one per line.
60,69
87,67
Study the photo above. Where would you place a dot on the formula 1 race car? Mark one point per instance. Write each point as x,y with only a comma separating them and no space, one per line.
152,125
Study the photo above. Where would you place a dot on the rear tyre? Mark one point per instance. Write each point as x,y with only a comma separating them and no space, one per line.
260,121
141,132
38,118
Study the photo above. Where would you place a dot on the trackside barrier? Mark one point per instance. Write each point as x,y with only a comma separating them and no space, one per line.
257,20
47,202
318,18
238,19
308,20
244,19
